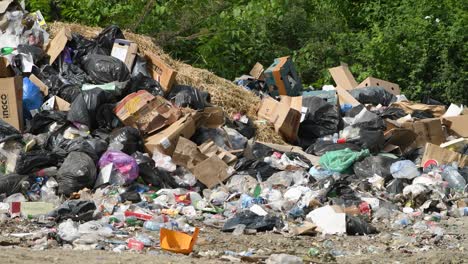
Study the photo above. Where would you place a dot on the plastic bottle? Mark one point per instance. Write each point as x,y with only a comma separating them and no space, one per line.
454,178
153,225
7,51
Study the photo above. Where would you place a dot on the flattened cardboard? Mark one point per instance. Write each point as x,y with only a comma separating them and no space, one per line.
165,141
257,71
345,97
389,86
161,72
44,88
211,171
343,77
211,149
427,130
187,154
457,125
409,108
57,44
11,101
443,156
268,109
213,117
126,51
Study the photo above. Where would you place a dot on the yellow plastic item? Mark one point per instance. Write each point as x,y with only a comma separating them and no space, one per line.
178,242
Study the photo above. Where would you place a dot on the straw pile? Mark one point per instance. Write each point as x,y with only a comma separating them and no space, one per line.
224,93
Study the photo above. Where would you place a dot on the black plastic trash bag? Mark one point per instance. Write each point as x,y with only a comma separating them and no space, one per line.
373,95
419,114
78,171
253,221
132,196
84,107
106,38
373,140
8,132
321,147
260,151
321,119
392,113
187,96
42,120
103,69
255,168
76,210
73,74
357,226
142,82
128,138
374,165
140,67
38,54
106,118
151,175
14,183
247,130
35,160
65,146
83,46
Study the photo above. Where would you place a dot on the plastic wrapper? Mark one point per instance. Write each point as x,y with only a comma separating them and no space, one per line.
14,183
187,96
123,164
76,210
374,165
321,119
103,69
373,95
341,160
253,221
84,107
78,171
35,160
127,139
8,132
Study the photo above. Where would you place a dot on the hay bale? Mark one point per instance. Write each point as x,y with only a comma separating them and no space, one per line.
224,93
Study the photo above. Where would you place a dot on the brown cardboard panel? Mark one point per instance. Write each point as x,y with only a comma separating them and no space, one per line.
126,51
61,105
211,149
443,156
457,125
400,137
257,71
389,86
161,72
57,44
287,121
211,171
213,117
11,101
268,109
5,70
409,108
345,97
44,89
427,130
343,77
187,154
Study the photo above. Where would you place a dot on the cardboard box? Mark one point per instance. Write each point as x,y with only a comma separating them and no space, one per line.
457,125
11,101
268,109
409,108
57,44
126,51
344,97
287,121
213,117
258,71
371,81
56,103
165,141
427,130
44,88
210,149
343,77
146,112
443,156
161,72
211,171
282,79
187,154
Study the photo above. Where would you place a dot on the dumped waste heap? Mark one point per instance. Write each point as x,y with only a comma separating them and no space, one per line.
108,143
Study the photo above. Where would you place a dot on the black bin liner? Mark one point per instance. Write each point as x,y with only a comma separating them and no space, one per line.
78,171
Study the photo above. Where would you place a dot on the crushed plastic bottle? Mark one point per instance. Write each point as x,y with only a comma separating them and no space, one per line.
454,178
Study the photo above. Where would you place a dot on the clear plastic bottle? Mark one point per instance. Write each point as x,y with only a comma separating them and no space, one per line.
453,177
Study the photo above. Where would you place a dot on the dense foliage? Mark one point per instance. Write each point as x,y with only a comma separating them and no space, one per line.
419,44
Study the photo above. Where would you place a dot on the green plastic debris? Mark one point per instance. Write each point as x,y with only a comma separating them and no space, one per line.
341,160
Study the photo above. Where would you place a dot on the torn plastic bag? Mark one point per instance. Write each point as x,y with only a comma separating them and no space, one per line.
76,210
151,175
73,74
78,171
38,55
319,148
35,160
124,165
106,118
373,95
321,119
247,130
374,165
106,38
392,113
32,98
396,186
341,160
187,96
357,226
42,120
140,67
103,69
8,132
142,82
419,114
15,183
261,151
253,221
84,107
69,92
255,168
127,140
83,46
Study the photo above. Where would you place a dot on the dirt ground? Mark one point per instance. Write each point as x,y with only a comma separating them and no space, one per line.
213,246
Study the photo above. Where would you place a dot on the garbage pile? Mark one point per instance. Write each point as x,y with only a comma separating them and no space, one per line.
102,149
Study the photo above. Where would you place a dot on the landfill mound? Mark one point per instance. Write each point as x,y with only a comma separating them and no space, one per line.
232,98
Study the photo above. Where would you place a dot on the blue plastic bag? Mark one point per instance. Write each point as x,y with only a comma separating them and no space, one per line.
32,97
